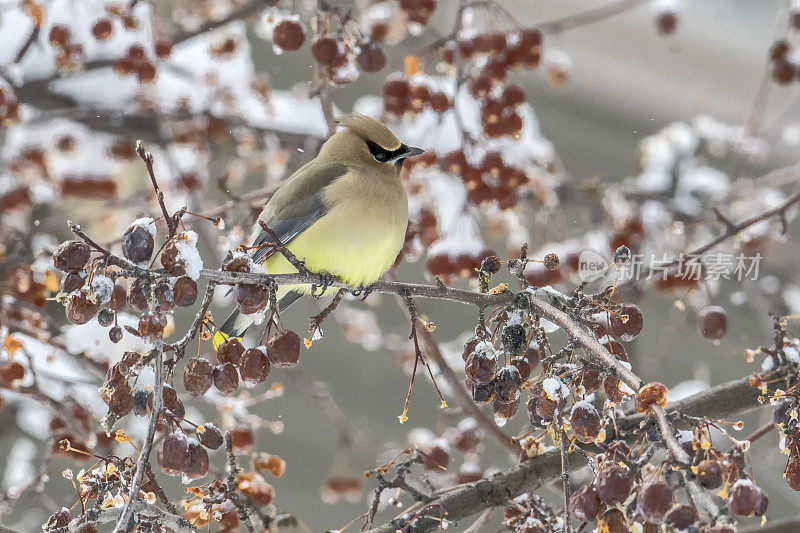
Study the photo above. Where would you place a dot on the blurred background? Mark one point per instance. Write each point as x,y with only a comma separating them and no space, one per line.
626,83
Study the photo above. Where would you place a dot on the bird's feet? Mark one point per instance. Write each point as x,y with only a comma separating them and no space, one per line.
362,292
317,291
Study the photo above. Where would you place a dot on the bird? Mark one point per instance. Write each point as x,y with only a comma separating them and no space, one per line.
344,214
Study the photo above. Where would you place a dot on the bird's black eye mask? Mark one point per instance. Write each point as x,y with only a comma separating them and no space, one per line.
382,155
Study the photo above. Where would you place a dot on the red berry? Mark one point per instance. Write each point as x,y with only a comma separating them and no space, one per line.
102,29
254,367
226,378
197,376
71,256
371,57
283,349
613,484
324,50
712,322
654,500
627,322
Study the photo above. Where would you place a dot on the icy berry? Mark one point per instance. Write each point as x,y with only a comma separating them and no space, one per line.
105,317
172,403
584,503
80,308
283,349
197,376
136,297
71,256
585,422
482,393
59,519
508,385
612,521
151,325
210,437
523,366
288,35
744,498
226,378
514,339
171,258
185,291
251,298
115,334
613,484
481,367
712,322
654,500
681,516
254,367
137,244
173,454
709,474
197,462
627,322
371,57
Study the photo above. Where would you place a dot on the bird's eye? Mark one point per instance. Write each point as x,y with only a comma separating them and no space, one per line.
380,154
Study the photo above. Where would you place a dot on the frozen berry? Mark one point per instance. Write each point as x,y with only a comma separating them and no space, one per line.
115,334
185,291
371,57
654,500
105,317
681,516
197,462
508,385
283,349
197,376
102,29
254,367
482,393
172,260
612,521
136,296
712,322
71,256
251,298
288,35
210,437
585,422
709,474
226,378
584,503
627,323
173,454
172,403
137,244
80,307
242,438
151,325
613,484
744,498
324,50
481,367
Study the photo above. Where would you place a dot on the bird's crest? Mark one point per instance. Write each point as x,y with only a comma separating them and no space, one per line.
370,129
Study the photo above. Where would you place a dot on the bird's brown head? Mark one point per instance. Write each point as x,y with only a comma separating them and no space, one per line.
366,141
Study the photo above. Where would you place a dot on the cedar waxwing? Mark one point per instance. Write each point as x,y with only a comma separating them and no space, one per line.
345,213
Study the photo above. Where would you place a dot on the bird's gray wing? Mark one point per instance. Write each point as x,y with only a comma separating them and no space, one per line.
296,205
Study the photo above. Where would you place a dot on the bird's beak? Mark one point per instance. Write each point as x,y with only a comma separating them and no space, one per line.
411,151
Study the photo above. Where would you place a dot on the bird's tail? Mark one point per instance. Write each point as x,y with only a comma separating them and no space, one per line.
237,324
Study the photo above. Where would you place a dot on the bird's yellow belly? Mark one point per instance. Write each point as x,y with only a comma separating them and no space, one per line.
356,248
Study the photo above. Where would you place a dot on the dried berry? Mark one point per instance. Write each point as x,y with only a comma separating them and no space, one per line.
744,498
151,325
681,516
210,437
651,394
612,521
709,474
584,503
136,296
251,298
172,403
514,339
142,400
324,50
184,291
226,378
71,256
523,367
627,323
654,500
80,307
119,399
253,485
115,334
481,367
551,261
585,422
254,367
613,484
164,295
197,462
171,258
137,244
242,438
72,281
197,376
283,349
482,393
508,385
490,265
173,454
59,519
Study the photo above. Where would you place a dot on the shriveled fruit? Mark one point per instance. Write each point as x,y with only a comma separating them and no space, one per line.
712,322
226,378
613,484
210,437
584,503
173,454
71,256
230,351
184,291
681,516
283,349
654,500
585,422
137,244
255,366
654,393
197,376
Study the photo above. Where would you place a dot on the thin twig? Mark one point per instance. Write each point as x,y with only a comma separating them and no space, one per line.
147,157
